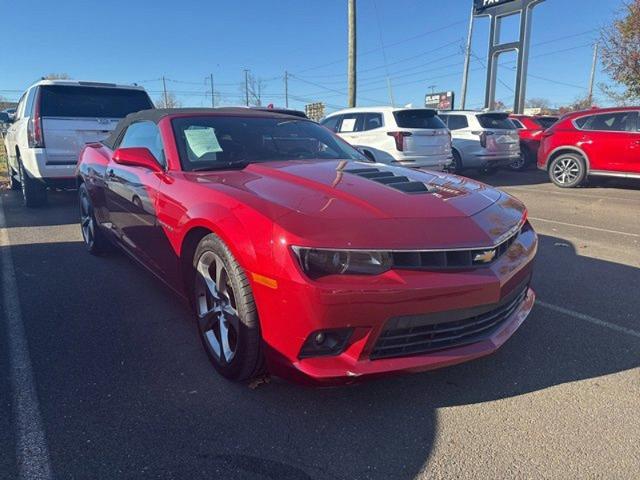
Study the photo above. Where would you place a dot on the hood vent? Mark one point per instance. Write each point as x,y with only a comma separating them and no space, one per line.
390,179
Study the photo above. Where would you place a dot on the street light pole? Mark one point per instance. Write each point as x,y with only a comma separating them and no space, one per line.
593,73
467,60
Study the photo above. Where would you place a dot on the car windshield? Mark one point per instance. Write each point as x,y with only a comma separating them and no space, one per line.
98,102
496,120
216,142
419,118
546,122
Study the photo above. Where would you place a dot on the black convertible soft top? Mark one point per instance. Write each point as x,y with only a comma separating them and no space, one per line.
156,114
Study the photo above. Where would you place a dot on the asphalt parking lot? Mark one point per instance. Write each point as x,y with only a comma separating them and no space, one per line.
123,389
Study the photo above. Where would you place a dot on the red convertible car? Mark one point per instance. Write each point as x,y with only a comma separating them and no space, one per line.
299,255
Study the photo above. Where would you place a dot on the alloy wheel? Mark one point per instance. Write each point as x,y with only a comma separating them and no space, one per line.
566,170
518,164
218,318
86,219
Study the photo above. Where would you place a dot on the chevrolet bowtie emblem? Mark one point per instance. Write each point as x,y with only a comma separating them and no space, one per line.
485,257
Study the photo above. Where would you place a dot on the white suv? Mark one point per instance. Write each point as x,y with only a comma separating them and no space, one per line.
53,121
411,137
482,140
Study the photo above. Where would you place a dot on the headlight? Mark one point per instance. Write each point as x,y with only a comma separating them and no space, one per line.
319,262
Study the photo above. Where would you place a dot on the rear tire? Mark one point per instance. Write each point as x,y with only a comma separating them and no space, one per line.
95,240
13,182
521,163
225,311
456,164
34,192
568,170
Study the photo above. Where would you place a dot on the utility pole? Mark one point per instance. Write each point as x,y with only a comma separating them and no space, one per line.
259,93
352,53
213,97
286,89
246,86
164,88
593,73
467,60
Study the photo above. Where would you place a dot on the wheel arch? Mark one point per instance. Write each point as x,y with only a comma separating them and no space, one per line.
568,149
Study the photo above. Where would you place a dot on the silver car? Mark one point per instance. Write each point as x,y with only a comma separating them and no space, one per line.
481,140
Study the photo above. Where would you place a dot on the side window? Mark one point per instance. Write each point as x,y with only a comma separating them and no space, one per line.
331,123
28,109
352,122
457,122
145,134
372,121
20,107
444,118
613,122
517,123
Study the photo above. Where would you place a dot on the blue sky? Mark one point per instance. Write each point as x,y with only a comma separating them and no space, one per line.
140,41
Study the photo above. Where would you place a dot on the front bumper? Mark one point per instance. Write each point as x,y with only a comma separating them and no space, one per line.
297,308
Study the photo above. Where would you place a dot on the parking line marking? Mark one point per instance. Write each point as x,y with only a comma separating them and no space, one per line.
569,194
32,452
589,318
585,226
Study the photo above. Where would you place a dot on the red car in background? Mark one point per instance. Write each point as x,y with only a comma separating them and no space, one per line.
599,142
530,129
298,253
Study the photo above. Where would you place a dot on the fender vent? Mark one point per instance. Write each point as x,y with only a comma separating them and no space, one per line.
390,179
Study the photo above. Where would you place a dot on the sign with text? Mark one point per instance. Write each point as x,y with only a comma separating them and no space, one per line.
439,101
483,5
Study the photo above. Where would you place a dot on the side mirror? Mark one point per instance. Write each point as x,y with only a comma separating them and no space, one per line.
137,157
5,117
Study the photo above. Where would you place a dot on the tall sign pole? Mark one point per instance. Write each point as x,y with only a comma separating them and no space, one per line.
497,10
352,54
467,59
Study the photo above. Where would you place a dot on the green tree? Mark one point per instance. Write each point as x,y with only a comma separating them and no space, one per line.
620,42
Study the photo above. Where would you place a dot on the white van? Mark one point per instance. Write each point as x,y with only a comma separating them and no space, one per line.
411,137
53,121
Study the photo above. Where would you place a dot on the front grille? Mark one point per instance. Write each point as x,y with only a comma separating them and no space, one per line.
443,259
420,334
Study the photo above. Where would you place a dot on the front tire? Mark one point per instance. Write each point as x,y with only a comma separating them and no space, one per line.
521,163
568,170
94,239
225,311
34,192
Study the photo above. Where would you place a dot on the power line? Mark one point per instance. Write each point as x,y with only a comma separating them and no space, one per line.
368,52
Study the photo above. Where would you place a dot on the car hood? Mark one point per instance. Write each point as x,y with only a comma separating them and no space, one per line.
340,203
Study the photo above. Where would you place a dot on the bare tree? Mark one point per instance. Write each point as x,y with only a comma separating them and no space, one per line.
253,89
620,42
541,103
57,76
580,103
171,102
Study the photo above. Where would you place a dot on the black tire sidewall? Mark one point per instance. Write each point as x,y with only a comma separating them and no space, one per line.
581,175
457,159
34,193
247,361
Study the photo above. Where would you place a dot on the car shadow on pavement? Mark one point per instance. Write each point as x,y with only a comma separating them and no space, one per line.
61,209
507,178
126,389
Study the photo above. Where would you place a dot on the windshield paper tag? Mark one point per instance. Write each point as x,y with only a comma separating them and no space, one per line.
202,141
